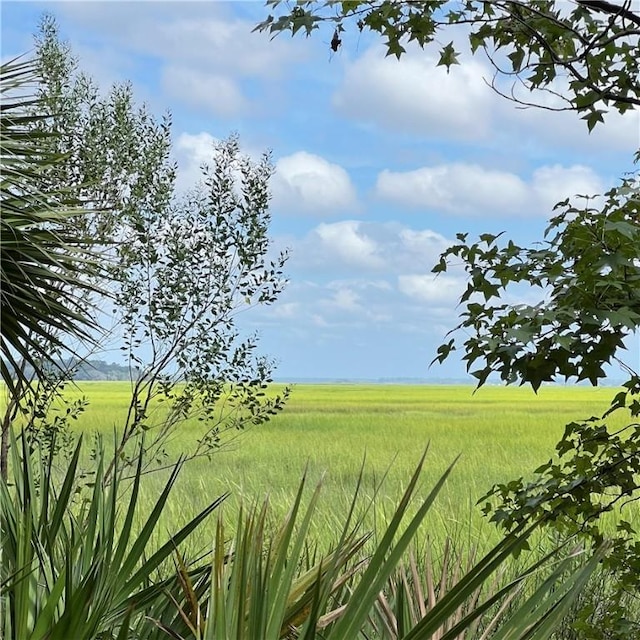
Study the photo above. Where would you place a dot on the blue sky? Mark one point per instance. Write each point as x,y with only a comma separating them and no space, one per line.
379,164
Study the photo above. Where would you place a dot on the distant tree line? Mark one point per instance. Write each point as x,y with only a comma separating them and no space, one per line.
92,370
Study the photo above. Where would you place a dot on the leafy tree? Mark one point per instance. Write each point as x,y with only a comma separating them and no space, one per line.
591,45
187,271
587,268
178,267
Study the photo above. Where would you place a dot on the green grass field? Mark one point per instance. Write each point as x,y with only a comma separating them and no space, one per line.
499,434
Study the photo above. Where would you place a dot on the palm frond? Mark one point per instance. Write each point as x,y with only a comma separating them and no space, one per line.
46,264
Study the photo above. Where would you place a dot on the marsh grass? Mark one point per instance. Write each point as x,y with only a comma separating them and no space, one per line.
328,430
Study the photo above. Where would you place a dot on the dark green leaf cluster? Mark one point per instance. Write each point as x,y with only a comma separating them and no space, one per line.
595,473
588,49
587,273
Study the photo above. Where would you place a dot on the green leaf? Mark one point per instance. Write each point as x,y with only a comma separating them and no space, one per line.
593,117
448,57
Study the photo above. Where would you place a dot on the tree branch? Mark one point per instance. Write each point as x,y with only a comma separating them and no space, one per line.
612,9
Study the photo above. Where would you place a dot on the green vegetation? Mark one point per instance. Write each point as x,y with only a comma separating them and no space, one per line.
77,562
173,301
42,249
80,554
497,432
316,550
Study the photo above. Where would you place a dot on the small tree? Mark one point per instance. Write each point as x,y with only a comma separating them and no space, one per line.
186,272
179,268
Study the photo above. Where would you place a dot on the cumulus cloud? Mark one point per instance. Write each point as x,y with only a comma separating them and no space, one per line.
192,150
423,242
553,184
540,128
343,302
453,188
285,310
437,291
362,276
205,54
414,95
347,242
303,182
204,34
367,247
345,299
218,42
307,183
469,189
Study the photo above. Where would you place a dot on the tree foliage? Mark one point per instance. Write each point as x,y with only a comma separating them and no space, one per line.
178,267
188,269
584,54
588,277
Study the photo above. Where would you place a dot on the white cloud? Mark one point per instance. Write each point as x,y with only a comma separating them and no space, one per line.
542,128
369,304
204,53
359,246
553,184
360,284
303,182
418,250
198,146
469,189
437,291
454,188
218,43
192,150
367,276
211,92
415,96
202,34
423,242
307,183
285,310
347,242
350,302
345,299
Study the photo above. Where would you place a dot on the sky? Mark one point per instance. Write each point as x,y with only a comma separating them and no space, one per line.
379,163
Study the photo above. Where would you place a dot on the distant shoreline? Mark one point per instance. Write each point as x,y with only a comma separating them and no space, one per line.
442,382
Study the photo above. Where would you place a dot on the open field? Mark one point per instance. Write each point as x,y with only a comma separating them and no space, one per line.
499,433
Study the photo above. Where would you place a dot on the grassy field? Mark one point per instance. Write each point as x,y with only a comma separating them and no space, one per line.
499,434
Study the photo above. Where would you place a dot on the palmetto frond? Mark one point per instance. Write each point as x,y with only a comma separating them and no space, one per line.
45,260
